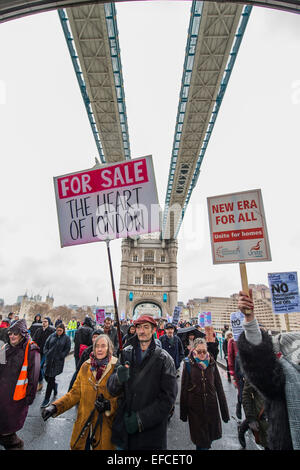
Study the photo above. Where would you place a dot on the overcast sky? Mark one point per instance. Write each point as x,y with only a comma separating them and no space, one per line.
45,132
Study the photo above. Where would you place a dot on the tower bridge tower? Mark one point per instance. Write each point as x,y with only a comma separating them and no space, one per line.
148,281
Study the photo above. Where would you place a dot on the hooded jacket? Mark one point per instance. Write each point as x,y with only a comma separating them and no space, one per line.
40,337
56,349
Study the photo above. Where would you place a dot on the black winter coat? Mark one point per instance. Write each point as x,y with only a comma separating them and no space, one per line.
263,370
82,336
201,391
176,350
34,328
40,336
56,349
153,398
213,348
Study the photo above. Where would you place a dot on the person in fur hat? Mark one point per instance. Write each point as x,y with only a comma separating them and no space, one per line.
272,366
19,374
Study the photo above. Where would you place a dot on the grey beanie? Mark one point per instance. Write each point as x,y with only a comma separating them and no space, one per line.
289,345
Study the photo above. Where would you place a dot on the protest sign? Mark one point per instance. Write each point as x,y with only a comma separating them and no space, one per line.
100,316
207,318
236,320
237,228
201,319
113,201
176,314
284,292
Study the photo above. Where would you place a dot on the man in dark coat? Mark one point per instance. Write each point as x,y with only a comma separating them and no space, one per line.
173,345
112,333
56,348
147,388
83,336
40,336
36,324
272,366
14,409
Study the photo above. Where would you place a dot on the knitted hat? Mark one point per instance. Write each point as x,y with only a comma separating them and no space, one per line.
169,325
19,327
289,345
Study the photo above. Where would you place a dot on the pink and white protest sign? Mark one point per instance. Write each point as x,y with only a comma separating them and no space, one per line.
238,228
114,201
100,316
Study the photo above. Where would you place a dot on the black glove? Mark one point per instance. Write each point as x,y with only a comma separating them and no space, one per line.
101,404
131,422
123,373
49,411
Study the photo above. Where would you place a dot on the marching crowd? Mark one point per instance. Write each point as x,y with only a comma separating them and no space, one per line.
126,395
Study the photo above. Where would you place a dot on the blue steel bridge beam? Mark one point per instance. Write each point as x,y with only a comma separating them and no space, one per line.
194,26
107,142
76,65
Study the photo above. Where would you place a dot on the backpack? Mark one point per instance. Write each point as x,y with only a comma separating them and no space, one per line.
82,347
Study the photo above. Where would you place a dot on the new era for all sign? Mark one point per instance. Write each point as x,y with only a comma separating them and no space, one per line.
237,228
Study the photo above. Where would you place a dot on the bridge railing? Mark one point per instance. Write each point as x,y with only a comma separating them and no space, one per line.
71,334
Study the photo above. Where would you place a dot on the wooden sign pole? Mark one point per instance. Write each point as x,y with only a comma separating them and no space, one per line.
287,322
244,277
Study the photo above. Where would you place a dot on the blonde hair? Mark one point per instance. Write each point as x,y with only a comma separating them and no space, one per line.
110,346
199,341
229,332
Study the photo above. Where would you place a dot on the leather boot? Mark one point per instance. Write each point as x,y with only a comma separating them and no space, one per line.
11,442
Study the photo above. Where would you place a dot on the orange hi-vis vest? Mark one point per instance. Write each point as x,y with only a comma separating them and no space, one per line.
21,387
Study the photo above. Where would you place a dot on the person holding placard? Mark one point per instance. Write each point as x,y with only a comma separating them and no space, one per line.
212,341
272,366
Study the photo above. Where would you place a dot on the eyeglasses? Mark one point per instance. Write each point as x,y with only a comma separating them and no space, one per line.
201,352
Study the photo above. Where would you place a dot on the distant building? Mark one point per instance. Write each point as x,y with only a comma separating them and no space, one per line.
1,303
222,307
28,303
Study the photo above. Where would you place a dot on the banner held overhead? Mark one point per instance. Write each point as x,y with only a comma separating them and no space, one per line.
237,228
113,201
